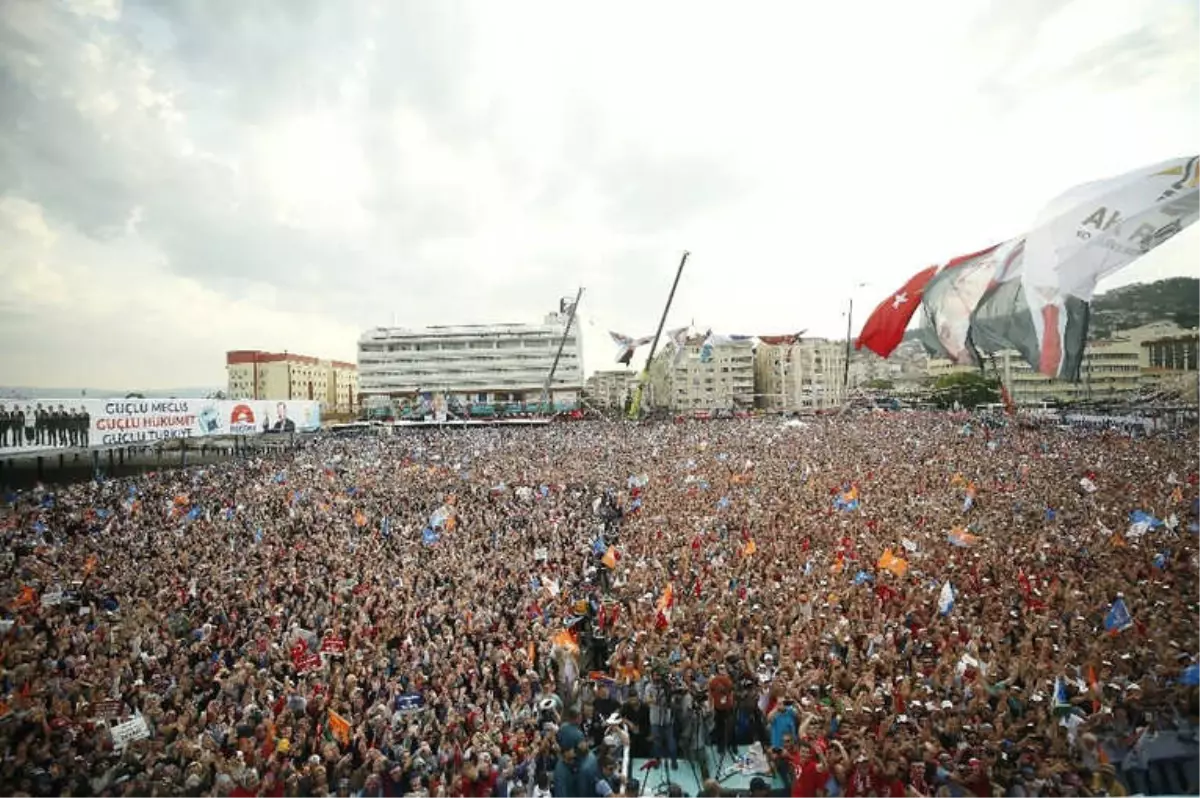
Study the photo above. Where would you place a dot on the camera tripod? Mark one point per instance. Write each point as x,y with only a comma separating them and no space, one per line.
725,738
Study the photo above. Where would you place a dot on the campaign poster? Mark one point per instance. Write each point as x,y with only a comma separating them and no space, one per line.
38,426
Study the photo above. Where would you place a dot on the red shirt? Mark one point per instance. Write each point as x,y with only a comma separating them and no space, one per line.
720,688
808,780
861,781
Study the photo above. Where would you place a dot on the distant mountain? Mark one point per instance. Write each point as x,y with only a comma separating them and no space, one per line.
23,392
1175,299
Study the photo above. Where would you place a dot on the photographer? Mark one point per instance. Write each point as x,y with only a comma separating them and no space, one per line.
721,694
660,697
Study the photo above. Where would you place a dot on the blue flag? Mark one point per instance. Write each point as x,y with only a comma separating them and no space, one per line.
1118,618
599,546
862,577
385,529
409,702
1061,704
723,503
193,513
258,536
429,537
1050,514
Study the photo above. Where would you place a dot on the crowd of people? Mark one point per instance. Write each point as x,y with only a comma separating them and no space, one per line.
887,604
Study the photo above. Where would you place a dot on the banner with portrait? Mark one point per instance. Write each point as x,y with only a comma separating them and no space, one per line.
37,426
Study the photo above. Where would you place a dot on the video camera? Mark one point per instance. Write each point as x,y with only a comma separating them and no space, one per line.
549,710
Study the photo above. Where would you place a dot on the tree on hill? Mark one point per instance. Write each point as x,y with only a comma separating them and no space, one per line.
968,388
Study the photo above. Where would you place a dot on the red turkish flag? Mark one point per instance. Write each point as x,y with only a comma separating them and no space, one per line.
885,328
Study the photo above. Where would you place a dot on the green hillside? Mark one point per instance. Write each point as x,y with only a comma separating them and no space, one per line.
1175,299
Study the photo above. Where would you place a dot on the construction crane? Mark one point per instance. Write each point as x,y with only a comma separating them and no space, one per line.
635,407
546,393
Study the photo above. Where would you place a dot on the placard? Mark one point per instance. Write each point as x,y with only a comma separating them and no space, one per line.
130,731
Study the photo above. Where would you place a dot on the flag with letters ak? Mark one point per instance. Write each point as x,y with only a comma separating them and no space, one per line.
885,327
1039,304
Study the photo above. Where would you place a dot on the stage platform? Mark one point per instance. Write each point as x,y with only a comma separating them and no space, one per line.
470,422
689,779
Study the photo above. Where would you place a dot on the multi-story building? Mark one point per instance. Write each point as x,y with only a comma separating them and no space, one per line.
471,363
1169,362
724,381
1117,367
610,388
253,374
808,374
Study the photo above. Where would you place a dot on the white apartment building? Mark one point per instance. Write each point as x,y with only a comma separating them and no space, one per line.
471,363
807,375
724,382
609,388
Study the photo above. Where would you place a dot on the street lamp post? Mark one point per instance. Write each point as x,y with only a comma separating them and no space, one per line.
849,331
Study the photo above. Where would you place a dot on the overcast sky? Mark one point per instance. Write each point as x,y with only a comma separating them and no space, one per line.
181,178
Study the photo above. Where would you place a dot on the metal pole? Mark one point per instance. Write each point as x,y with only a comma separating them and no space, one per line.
849,327
783,386
636,406
546,394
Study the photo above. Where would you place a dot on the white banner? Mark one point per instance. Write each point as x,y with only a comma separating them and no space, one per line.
128,732
33,426
1097,228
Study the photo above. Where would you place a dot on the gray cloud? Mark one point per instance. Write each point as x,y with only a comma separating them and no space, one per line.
159,120
202,72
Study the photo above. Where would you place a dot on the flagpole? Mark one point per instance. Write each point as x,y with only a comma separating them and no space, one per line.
849,327
635,407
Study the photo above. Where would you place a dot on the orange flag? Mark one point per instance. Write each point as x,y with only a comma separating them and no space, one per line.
750,547
667,599
610,558
566,640
27,596
890,562
359,518
339,727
